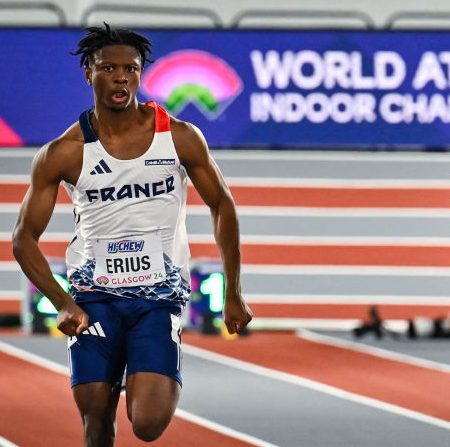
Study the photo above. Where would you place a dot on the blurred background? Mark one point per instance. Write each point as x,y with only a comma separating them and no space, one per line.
331,124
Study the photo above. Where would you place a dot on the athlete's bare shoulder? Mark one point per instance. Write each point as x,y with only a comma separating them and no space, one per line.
62,158
189,141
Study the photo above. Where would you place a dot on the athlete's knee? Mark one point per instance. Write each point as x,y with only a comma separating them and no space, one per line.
99,429
149,430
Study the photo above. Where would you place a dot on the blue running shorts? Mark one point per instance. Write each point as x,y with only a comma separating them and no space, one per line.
133,333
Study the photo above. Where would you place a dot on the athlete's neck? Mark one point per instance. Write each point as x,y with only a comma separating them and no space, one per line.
114,122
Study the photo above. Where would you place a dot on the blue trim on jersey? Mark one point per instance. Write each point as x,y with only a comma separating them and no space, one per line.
174,288
86,127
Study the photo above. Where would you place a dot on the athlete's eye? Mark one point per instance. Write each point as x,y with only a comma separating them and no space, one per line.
108,68
132,69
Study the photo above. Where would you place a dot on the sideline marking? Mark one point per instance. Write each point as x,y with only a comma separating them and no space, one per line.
313,385
324,155
373,350
5,443
289,211
319,270
287,154
275,239
183,414
221,428
313,299
291,182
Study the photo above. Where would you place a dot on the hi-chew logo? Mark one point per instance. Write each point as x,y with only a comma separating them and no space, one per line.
125,246
192,76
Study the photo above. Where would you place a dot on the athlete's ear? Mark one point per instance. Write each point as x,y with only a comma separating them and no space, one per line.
88,75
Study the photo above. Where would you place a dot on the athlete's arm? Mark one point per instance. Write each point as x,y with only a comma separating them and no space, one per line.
34,216
210,184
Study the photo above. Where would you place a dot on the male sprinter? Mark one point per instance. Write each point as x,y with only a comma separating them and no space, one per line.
125,166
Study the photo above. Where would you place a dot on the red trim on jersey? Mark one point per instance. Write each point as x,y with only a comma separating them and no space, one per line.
162,119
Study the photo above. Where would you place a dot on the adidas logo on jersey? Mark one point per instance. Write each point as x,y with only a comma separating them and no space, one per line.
101,168
95,330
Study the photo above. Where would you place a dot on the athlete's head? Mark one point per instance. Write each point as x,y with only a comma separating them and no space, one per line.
98,37
113,60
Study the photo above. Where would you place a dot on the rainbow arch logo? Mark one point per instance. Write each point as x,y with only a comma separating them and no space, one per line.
192,77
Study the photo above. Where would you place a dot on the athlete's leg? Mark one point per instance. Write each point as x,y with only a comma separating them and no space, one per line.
151,402
153,369
97,363
97,403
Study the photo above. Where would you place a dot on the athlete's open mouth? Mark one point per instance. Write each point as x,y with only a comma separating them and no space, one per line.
120,96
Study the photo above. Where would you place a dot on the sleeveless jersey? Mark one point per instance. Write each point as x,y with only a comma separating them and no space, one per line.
130,234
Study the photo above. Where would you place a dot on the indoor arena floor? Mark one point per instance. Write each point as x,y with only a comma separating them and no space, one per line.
267,389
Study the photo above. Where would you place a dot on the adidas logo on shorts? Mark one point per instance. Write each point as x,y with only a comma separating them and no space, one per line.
95,329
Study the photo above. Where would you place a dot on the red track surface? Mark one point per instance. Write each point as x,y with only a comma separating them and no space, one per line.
346,311
300,196
301,254
310,310
37,410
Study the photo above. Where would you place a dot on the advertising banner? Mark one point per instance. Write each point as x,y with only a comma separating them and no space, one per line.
249,89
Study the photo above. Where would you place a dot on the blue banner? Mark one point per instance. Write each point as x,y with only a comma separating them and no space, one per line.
255,89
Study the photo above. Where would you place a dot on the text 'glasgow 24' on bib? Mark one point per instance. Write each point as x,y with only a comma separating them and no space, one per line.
129,262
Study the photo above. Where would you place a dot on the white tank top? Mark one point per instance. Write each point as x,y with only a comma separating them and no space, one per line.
130,219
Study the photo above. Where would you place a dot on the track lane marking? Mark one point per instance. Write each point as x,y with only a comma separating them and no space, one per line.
373,350
285,211
6,443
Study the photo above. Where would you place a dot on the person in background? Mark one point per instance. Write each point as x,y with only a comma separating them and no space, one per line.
418,327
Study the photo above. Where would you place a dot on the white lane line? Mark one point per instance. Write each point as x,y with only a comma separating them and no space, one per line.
11,295
6,443
291,155
264,239
290,211
422,300
18,153
325,270
15,207
337,183
372,350
214,426
221,428
310,299
316,324
33,358
290,182
322,155
313,385
314,270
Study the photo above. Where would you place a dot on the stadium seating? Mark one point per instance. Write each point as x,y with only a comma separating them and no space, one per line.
214,13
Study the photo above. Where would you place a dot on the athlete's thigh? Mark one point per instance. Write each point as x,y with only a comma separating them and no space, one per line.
97,355
153,364
97,399
153,342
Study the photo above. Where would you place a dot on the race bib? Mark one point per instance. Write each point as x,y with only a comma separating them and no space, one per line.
129,262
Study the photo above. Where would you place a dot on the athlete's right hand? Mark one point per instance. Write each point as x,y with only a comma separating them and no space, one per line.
72,320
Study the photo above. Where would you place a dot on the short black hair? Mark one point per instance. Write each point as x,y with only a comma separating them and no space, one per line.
99,37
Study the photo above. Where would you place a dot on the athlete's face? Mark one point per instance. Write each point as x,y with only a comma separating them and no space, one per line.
115,73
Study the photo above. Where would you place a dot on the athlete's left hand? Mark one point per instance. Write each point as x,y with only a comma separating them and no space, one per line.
236,313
